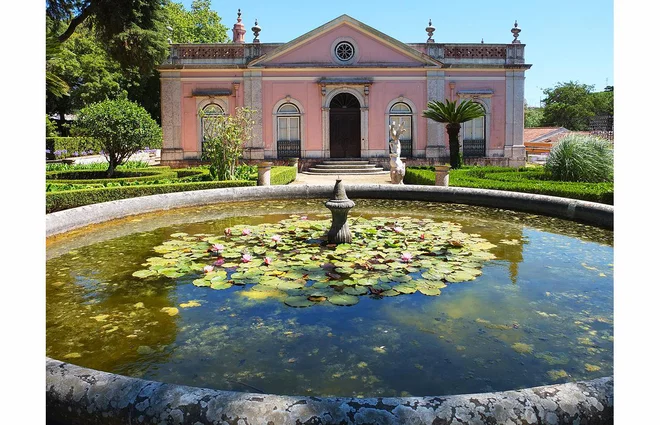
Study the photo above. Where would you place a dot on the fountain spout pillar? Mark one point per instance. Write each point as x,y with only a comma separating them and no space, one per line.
339,206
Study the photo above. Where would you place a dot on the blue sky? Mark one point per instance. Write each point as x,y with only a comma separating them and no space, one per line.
566,40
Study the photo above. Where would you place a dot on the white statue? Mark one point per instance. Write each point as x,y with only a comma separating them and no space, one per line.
397,167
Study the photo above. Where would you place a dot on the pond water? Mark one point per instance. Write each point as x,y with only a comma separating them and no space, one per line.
538,310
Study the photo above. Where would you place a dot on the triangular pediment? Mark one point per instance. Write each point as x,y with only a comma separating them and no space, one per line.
370,48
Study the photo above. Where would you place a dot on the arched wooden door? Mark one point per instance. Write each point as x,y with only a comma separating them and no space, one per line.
344,126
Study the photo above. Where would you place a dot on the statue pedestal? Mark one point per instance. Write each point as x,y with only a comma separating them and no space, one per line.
442,175
263,173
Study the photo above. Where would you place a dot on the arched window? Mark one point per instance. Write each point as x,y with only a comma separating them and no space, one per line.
288,131
209,113
474,137
401,112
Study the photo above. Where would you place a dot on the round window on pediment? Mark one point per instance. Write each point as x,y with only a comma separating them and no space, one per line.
344,51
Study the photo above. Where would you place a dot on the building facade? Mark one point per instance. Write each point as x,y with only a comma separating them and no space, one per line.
332,93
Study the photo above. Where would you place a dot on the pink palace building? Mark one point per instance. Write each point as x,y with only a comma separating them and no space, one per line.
332,93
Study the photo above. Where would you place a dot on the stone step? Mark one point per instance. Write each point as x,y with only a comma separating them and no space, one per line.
352,166
315,170
345,162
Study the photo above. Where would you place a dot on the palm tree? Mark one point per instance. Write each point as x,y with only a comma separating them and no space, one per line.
448,113
54,84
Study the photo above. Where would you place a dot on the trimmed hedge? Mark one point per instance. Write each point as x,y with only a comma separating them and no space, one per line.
98,177
527,180
71,145
58,201
282,175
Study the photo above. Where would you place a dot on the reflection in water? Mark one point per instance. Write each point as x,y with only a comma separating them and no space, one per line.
532,319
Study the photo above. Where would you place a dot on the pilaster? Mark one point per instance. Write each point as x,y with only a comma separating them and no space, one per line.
171,115
253,99
435,131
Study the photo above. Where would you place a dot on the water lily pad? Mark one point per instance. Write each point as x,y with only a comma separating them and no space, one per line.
201,282
404,289
144,273
298,302
172,311
343,299
428,290
221,285
356,290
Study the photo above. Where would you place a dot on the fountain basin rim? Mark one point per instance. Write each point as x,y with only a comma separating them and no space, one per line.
78,395
596,214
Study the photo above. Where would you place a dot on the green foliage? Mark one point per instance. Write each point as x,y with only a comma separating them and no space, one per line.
121,127
453,116
224,137
51,128
571,105
63,147
55,86
527,180
128,165
577,158
533,117
132,31
97,176
282,175
199,25
58,201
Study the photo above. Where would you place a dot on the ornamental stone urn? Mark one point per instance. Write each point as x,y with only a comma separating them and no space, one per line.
263,173
397,167
339,206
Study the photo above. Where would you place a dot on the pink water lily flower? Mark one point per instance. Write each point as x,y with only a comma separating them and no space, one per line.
208,269
219,262
276,238
267,261
217,247
406,257
304,217
246,258
227,231
398,229
246,232
422,237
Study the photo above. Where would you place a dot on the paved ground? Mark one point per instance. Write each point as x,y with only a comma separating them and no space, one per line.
347,179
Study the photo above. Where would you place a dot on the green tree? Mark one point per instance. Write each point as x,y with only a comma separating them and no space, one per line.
568,105
224,138
453,116
89,71
533,117
132,31
199,25
121,127
55,86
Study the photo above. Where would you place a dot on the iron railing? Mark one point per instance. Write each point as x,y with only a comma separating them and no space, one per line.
474,148
288,148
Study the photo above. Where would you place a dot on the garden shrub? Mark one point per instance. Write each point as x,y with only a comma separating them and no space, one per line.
282,175
577,158
528,180
224,137
128,165
121,127
98,176
58,201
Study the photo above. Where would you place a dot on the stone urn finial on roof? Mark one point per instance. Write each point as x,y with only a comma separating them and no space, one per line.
256,29
429,30
515,31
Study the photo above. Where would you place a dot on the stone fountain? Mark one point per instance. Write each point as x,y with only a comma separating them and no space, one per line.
339,206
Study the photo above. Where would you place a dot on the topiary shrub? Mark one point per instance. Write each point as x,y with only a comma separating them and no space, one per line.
577,158
121,127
